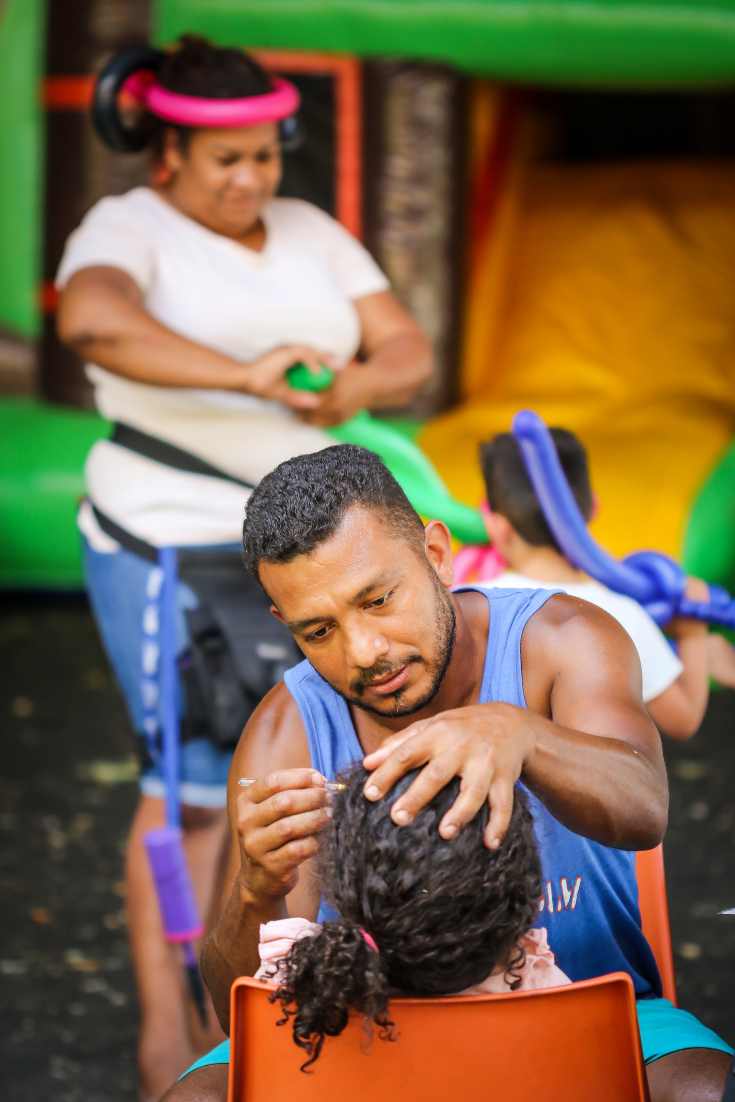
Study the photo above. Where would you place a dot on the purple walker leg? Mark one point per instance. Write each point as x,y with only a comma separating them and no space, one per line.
179,912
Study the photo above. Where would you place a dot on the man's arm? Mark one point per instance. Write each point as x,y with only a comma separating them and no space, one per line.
597,764
586,745
273,824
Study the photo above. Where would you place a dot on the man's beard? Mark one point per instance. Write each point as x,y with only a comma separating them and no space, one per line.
446,631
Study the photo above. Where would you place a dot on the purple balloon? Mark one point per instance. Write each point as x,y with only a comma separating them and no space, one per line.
653,579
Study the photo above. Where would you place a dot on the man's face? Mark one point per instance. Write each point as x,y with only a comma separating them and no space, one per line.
371,614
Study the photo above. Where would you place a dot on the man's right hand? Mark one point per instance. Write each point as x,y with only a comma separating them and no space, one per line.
279,817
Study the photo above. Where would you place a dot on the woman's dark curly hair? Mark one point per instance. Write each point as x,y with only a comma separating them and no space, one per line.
443,913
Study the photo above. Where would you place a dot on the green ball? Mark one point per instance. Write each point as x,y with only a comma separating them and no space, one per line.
300,378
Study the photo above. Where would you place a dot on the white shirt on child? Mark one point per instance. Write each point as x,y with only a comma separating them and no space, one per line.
659,665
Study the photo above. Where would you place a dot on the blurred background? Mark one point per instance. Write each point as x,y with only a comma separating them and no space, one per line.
551,191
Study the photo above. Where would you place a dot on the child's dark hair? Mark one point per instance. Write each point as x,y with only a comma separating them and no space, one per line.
443,913
509,490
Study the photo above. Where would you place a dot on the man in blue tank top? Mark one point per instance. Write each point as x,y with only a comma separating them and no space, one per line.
497,687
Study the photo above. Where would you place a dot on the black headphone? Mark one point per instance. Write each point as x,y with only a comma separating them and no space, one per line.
131,139
105,114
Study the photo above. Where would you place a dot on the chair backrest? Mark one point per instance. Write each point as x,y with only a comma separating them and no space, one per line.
649,867
567,1044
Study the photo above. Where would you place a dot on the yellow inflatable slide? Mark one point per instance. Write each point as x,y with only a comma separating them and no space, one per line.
603,297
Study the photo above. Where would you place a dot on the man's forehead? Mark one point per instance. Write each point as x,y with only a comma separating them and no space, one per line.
362,553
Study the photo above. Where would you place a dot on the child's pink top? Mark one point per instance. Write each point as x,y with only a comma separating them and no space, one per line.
539,969
276,938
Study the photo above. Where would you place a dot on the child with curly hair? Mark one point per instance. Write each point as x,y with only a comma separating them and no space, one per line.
419,916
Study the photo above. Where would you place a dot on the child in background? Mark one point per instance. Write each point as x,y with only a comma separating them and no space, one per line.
675,690
420,916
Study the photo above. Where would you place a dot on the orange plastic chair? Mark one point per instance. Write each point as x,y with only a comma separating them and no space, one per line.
567,1044
649,867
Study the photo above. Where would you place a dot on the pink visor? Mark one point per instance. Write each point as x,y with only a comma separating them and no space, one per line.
197,111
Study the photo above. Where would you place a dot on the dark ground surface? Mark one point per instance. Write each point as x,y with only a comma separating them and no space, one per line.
67,1003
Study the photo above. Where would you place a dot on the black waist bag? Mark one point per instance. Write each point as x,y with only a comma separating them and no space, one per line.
238,651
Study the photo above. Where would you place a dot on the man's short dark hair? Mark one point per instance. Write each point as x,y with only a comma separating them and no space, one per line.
509,490
301,504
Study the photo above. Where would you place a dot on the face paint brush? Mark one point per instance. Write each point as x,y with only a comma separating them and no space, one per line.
330,786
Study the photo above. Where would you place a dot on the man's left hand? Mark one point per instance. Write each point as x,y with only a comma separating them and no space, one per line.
486,745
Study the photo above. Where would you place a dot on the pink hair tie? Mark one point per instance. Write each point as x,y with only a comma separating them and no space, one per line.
370,940
198,111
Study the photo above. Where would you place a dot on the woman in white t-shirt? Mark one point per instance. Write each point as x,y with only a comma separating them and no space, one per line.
189,300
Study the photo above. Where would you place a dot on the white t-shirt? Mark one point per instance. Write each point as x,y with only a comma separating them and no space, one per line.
659,664
300,289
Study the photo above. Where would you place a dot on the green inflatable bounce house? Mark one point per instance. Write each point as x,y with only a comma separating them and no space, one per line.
446,136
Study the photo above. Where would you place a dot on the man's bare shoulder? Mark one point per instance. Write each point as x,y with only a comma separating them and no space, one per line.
571,645
572,619
274,737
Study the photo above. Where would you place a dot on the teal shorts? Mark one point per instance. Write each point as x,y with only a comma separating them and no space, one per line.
664,1029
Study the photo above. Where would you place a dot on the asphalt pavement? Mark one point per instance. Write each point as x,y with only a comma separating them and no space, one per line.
67,793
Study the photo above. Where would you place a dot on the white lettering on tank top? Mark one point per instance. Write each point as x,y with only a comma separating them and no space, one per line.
567,898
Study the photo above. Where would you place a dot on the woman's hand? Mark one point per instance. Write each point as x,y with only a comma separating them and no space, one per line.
397,362
349,393
265,377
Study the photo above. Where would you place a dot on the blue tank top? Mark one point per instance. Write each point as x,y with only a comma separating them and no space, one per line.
589,903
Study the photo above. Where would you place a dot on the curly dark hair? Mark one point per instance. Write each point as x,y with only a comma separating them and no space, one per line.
301,503
443,913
